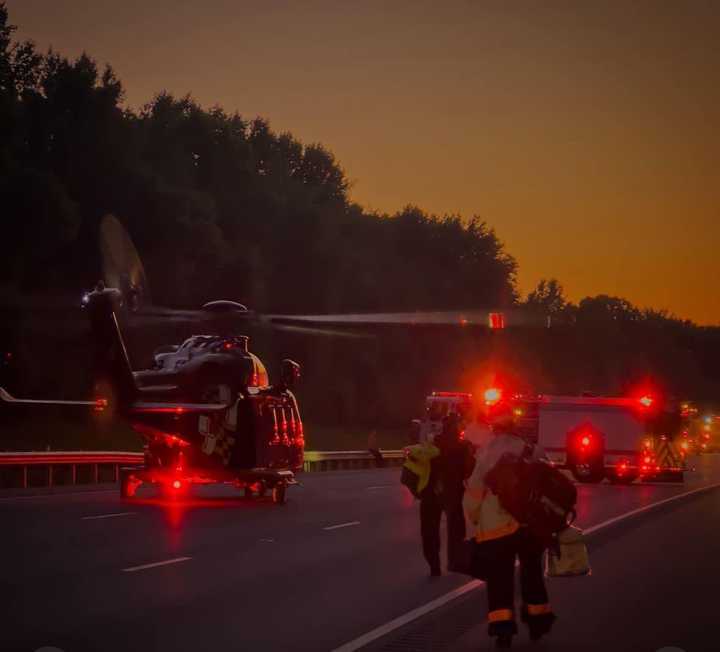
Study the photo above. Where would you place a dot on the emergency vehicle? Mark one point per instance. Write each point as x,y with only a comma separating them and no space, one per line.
437,406
616,438
619,438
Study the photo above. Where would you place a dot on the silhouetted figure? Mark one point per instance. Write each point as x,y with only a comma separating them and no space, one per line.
444,493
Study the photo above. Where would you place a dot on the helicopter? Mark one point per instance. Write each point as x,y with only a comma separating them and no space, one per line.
243,431
206,409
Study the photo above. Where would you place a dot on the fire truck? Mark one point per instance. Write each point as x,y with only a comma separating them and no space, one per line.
622,439
437,406
619,438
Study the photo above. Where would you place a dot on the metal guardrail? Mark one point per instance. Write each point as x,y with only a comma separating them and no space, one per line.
334,460
69,463
70,460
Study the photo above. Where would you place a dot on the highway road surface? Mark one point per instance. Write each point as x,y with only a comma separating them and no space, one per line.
338,567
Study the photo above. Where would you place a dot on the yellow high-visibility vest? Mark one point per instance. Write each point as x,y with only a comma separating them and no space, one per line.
419,460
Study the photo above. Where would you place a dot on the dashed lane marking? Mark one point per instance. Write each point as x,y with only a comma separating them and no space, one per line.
167,562
101,516
341,525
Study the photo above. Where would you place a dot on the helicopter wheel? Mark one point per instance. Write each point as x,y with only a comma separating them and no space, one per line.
278,494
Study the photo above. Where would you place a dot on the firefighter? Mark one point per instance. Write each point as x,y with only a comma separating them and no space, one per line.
502,540
444,493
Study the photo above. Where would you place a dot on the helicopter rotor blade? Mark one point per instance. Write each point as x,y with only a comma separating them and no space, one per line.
121,264
510,317
314,330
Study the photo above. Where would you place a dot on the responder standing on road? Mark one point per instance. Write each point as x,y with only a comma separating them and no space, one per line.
444,493
500,539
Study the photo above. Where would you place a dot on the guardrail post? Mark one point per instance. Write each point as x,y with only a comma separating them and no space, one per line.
74,474
95,473
116,473
50,475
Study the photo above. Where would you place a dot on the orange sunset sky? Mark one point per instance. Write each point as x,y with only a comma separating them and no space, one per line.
586,133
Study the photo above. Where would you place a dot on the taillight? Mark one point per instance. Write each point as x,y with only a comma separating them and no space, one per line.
492,395
276,431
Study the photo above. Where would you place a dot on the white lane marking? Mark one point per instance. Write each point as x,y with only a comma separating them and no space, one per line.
645,508
381,486
116,514
61,495
379,632
167,562
340,525
408,617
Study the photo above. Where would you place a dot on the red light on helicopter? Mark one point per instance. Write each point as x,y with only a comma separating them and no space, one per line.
492,395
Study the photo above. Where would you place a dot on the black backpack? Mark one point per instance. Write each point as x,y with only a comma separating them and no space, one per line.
535,494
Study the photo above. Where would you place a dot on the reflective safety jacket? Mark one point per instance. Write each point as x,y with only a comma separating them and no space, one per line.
419,461
485,518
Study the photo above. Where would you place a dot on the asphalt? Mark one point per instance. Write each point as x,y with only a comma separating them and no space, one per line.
654,586
250,575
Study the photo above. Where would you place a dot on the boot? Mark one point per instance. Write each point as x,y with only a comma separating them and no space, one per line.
503,641
538,625
503,631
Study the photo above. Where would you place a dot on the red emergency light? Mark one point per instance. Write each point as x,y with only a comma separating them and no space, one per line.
496,321
492,395
646,401
585,441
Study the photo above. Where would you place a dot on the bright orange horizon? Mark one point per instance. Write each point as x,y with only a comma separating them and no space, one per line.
587,136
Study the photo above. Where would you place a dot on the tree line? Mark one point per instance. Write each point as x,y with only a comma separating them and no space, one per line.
220,205
217,204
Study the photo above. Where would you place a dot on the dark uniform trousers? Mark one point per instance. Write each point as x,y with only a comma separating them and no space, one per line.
432,506
501,584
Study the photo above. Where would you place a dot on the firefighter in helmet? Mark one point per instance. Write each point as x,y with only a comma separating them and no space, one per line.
499,539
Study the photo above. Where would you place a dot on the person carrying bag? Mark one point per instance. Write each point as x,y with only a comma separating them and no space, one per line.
500,537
